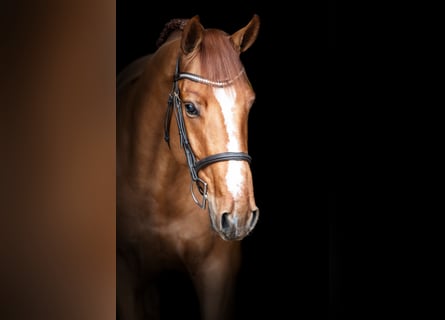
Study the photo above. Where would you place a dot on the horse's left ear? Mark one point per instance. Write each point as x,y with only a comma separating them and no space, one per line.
191,35
245,37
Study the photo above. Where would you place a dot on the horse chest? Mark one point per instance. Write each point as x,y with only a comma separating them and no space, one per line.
172,241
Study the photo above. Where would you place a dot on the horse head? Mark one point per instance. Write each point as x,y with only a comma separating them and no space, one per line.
212,97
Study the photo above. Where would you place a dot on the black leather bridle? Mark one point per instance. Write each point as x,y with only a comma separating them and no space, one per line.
174,102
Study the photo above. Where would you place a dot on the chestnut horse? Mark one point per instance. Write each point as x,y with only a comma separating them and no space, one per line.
185,194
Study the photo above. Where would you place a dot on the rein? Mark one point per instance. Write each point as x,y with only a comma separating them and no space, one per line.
174,102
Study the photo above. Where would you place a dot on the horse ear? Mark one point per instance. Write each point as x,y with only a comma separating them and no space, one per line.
191,35
246,36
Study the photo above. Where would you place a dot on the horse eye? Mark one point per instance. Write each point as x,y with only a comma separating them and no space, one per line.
191,109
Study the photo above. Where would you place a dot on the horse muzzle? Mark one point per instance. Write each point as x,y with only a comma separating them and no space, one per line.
234,225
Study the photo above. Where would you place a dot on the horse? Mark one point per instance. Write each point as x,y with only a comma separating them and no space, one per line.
184,191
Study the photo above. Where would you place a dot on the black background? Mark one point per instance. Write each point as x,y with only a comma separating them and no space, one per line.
289,270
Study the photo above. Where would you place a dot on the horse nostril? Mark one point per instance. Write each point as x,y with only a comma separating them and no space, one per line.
225,220
254,218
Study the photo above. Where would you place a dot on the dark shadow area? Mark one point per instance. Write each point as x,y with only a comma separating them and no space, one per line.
335,270
332,24
177,297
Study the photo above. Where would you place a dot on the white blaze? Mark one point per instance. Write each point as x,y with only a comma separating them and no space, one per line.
226,98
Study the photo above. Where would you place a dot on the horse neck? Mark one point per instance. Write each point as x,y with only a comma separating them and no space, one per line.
145,154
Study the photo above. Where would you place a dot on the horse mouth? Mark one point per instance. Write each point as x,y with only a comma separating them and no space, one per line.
232,237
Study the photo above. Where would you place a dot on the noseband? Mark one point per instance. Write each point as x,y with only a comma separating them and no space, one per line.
174,102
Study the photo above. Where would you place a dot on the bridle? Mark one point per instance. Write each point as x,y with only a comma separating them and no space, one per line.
174,102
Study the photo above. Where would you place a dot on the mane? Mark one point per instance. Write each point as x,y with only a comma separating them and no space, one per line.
169,27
